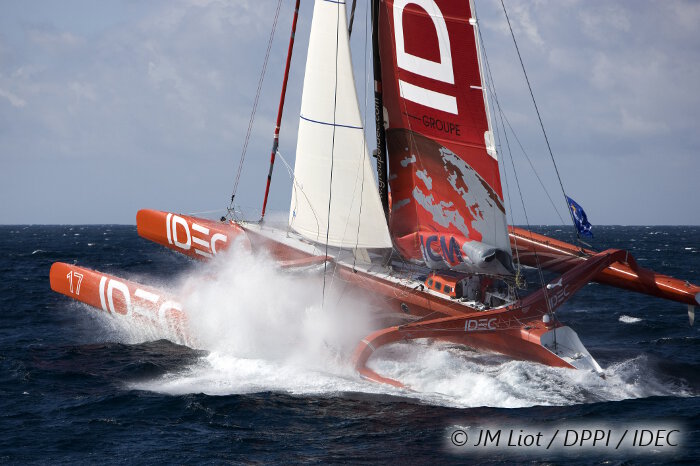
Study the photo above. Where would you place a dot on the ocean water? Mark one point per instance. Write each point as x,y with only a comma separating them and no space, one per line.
268,380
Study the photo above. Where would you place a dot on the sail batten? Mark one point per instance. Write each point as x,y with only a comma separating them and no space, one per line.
447,209
331,145
329,123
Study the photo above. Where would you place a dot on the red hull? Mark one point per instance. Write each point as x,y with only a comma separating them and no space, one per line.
521,330
558,256
123,299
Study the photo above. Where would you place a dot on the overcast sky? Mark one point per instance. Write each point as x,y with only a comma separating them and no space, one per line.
111,106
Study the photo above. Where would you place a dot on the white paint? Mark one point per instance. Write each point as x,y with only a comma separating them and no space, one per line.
199,228
217,237
146,295
440,71
432,99
103,280
199,241
187,244
124,290
168,228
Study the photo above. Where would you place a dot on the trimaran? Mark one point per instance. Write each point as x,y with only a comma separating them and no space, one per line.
430,235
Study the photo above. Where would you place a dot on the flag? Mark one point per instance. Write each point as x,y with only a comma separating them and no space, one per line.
580,218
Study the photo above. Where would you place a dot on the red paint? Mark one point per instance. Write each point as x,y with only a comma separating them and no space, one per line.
421,128
514,330
276,137
559,256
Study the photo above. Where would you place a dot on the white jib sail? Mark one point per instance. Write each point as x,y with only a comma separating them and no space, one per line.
331,134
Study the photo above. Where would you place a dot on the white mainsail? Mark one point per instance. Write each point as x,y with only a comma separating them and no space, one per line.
331,145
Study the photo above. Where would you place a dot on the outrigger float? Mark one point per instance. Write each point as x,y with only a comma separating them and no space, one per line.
436,253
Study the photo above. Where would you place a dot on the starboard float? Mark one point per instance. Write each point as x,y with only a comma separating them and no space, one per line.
430,236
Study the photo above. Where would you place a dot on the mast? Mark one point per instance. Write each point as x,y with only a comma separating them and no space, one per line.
276,137
379,113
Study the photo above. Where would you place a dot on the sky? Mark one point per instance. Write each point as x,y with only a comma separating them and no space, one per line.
112,106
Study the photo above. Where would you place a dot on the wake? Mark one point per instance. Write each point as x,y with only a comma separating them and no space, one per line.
266,329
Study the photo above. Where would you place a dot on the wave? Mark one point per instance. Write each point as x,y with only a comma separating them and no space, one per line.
265,329
629,319
436,373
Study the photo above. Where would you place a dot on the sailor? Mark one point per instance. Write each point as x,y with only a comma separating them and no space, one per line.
471,287
486,283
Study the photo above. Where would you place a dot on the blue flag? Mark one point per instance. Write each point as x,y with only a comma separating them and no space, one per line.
580,218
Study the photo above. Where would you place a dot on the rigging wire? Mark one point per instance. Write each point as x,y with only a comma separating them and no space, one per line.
515,174
204,212
352,17
492,88
537,110
505,134
230,210
490,84
502,114
364,125
297,186
361,169
330,183
527,157
529,228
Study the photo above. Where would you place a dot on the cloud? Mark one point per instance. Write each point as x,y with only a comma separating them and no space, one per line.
120,109
616,85
598,22
14,100
523,23
124,105
51,39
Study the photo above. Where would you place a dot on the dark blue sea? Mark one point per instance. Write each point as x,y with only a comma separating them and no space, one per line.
76,387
